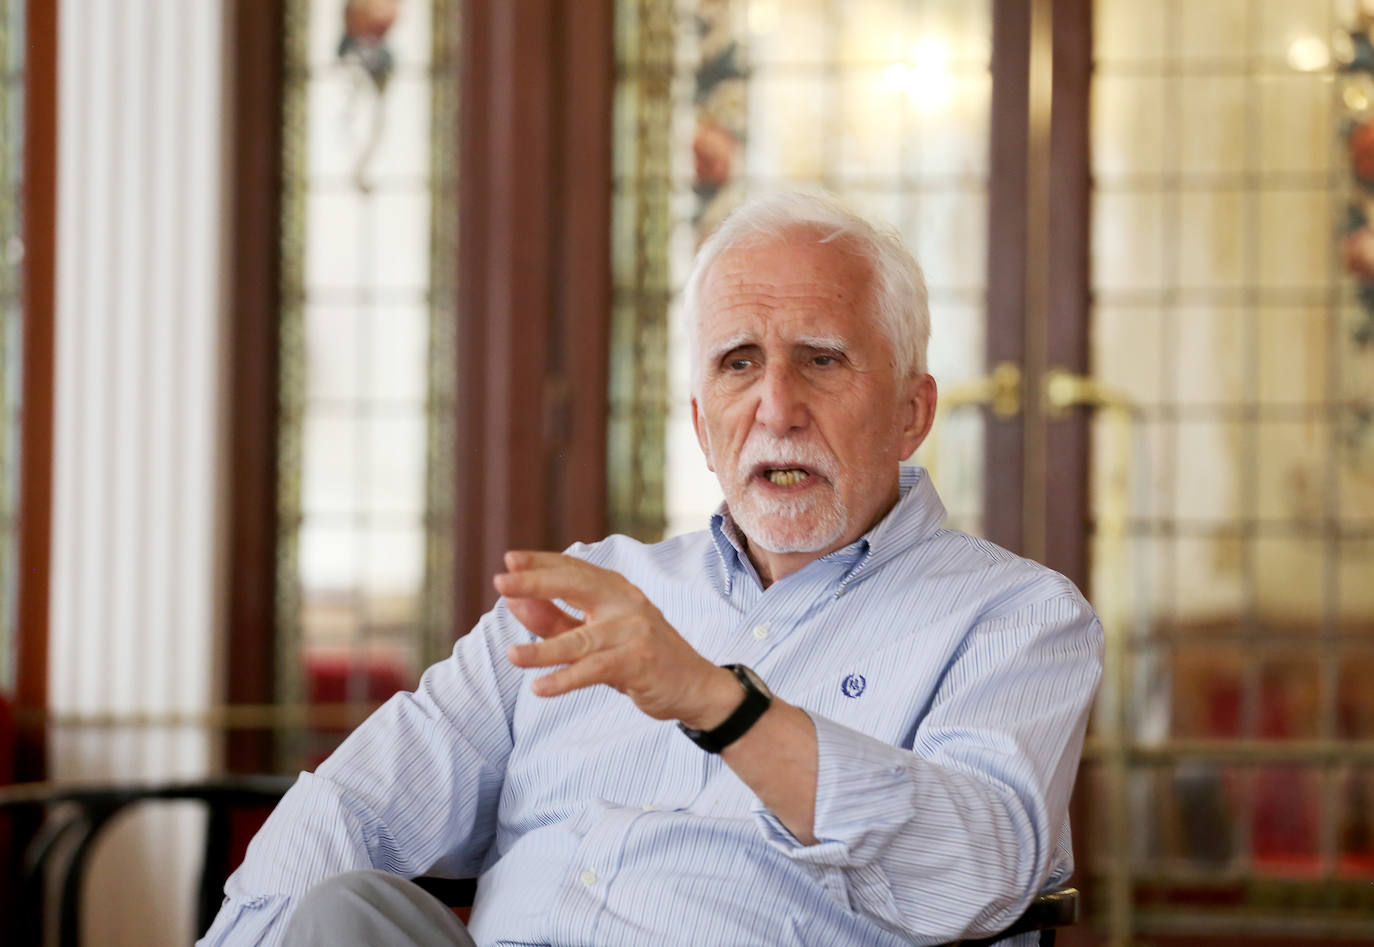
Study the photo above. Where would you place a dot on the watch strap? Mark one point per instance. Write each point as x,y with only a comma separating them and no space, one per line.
755,702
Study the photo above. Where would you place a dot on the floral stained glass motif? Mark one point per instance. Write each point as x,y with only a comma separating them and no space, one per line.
1354,52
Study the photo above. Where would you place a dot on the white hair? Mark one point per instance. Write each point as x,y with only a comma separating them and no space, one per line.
899,288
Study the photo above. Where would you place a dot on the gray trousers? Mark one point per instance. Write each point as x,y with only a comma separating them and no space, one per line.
373,909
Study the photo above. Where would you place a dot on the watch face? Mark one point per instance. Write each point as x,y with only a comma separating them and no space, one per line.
757,681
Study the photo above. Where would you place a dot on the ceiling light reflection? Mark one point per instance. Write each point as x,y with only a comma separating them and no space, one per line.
927,78
1308,54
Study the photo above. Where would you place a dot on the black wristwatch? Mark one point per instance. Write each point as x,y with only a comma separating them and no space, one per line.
757,699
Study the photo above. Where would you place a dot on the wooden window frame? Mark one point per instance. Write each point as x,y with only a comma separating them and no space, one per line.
534,282
257,32
1038,505
36,434
534,291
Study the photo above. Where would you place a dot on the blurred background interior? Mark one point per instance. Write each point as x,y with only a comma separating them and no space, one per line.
309,309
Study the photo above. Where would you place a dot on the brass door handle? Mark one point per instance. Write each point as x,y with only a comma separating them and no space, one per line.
1065,389
1000,389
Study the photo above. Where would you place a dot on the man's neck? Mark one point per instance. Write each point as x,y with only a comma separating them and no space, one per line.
772,566
776,566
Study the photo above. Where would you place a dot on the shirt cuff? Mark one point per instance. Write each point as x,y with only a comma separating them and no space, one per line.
257,920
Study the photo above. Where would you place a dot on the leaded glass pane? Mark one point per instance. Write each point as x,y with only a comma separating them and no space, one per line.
886,105
11,315
369,236
1228,207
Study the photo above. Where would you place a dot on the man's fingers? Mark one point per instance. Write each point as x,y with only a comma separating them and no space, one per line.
578,587
567,648
563,576
518,560
624,642
564,649
599,667
541,616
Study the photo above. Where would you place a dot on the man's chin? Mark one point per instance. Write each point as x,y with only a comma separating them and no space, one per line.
782,536
784,546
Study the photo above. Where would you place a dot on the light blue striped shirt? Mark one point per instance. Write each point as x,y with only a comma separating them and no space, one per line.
949,682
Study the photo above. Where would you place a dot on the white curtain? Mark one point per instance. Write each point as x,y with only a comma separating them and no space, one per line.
134,609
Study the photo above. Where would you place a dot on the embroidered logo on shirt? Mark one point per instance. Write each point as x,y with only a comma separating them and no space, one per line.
853,685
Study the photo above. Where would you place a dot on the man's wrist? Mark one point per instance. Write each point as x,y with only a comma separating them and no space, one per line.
721,696
756,700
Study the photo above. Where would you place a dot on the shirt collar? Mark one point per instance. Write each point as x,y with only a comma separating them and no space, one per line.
917,515
729,547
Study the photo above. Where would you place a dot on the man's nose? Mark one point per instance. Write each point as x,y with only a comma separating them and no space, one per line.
782,401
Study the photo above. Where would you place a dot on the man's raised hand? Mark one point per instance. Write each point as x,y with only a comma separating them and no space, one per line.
624,641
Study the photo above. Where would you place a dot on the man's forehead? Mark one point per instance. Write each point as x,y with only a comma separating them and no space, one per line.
796,255
786,285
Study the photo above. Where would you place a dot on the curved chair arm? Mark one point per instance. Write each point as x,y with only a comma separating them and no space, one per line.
77,814
1057,907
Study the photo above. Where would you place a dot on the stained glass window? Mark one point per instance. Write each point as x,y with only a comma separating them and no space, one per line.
1222,310
367,348
884,102
11,313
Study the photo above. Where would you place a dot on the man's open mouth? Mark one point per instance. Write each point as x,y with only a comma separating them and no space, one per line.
786,476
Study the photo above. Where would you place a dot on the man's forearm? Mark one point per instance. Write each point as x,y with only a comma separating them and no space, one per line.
777,759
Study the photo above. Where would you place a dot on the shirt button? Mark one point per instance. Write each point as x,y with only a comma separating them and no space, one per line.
760,632
588,877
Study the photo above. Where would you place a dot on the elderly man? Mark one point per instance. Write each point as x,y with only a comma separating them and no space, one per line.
825,719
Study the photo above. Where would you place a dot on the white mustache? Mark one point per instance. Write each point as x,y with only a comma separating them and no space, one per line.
762,449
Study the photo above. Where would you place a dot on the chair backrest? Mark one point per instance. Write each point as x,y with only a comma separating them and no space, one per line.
75,817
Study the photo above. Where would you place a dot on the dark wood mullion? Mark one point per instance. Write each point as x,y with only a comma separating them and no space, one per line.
1067,445
1067,502
504,328
253,384
520,231
1007,233
577,425
534,282
470,469
33,527
34,514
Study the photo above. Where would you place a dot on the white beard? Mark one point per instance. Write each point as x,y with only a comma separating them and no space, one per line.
791,524
784,524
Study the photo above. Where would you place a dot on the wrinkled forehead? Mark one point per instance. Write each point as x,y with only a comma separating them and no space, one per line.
796,279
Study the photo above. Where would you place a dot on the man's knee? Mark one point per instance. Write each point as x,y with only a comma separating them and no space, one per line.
368,907
348,891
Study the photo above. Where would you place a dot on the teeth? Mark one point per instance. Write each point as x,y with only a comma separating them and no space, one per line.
788,477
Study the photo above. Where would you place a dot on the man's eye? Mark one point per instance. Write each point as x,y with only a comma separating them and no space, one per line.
737,364
824,361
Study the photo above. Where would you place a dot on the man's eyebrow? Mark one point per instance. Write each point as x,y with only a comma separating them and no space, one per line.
728,345
830,342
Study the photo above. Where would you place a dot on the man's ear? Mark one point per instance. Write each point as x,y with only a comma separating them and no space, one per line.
918,407
703,438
